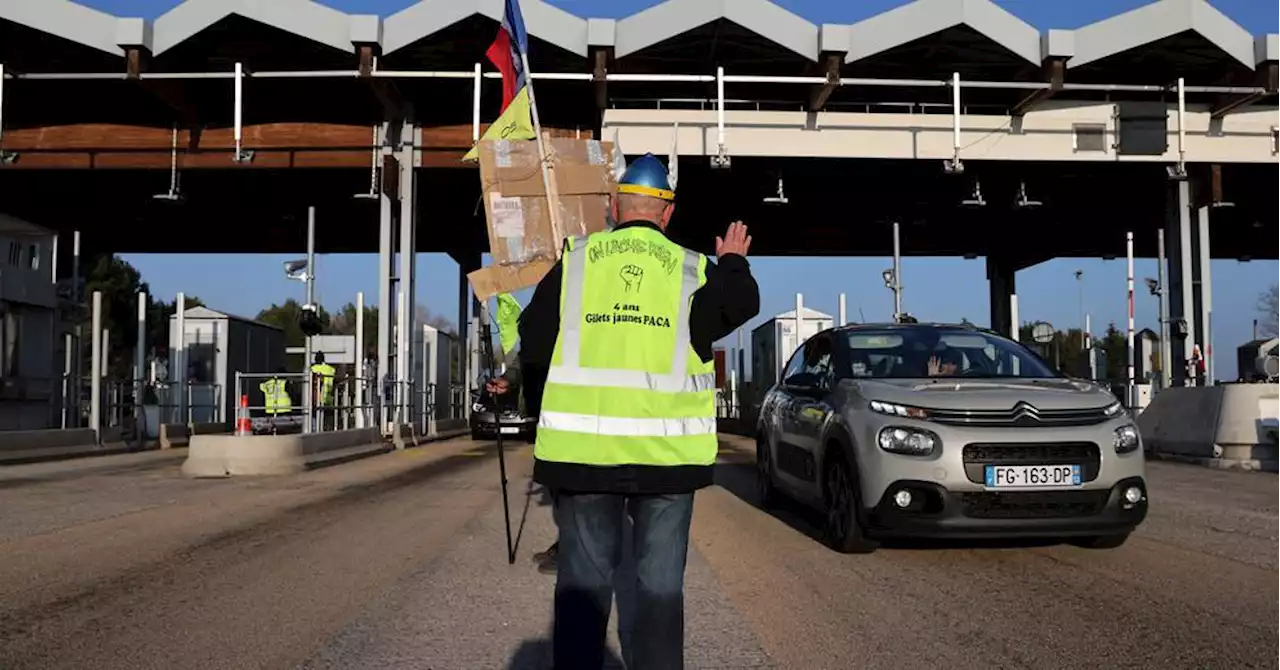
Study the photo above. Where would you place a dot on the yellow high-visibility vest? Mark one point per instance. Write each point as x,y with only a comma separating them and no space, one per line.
276,396
625,385
326,373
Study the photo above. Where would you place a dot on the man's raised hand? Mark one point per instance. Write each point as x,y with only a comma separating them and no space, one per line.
736,241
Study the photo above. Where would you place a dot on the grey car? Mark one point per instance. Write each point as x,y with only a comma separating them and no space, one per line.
948,432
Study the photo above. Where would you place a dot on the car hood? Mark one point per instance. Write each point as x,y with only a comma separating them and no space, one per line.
984,394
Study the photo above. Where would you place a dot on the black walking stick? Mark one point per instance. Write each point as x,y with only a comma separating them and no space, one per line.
486,339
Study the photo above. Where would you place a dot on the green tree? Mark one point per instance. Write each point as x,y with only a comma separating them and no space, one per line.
1066,351
1116,344
119,282
1267,312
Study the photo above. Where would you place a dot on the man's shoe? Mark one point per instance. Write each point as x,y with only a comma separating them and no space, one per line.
548,555
547,567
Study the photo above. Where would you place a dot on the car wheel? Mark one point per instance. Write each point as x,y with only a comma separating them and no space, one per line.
1101,541
843,528
766,492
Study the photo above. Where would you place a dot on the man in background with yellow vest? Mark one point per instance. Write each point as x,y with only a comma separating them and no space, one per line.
624,325
322,392
275,398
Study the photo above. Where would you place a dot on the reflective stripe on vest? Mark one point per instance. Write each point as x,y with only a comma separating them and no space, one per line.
625,427
599,415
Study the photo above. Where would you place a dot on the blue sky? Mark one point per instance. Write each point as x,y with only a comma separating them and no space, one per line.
942,289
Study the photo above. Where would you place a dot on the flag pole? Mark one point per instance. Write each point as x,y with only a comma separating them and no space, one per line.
486,345
548,181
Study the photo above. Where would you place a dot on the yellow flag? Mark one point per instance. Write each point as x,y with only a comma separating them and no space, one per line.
514,124
508,321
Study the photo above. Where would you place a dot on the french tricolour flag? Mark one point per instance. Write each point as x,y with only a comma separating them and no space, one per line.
505,52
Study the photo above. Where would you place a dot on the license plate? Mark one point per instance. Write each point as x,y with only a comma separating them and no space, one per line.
510,430
1032,476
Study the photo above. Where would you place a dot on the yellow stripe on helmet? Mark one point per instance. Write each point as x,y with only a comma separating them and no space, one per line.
637,189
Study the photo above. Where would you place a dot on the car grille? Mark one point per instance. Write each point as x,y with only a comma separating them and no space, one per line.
1021,415
978,456
1032,504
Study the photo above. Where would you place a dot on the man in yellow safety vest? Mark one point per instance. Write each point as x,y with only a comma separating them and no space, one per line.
322,391
624,324
508,318
275,397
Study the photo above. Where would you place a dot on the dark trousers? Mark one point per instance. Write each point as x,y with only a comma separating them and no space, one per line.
591,540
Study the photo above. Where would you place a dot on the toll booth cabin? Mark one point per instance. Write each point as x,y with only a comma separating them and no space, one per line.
772,344
30,337
432,375
212,347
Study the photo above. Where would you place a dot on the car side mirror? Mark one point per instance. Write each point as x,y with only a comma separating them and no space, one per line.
802,382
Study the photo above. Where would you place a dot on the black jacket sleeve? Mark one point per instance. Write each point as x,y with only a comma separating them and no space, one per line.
539,328
540,321
728,300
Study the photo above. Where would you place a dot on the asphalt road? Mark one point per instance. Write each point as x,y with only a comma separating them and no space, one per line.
399,561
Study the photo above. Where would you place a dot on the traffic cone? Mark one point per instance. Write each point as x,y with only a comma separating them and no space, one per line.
243,425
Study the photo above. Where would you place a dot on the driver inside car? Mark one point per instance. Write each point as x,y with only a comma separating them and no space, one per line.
945,362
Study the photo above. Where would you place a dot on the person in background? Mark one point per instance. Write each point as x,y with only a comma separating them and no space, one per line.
275,397
322,392
624,325
508,318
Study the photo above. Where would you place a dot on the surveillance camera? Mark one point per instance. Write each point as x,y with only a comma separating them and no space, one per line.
1153,286
887,275
296,269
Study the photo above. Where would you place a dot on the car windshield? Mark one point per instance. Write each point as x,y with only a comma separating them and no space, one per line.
930,351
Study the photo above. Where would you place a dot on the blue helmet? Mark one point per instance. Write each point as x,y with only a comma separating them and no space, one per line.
647,176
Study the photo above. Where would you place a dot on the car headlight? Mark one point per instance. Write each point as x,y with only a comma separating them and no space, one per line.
1126,439
909,441
1113,410
894,409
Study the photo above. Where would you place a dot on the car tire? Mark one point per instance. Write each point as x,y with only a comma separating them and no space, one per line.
1102,541
766,491
843,527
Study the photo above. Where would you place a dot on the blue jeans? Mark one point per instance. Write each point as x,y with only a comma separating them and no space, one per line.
591,541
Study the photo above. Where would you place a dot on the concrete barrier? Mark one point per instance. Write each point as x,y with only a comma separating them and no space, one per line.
179,434
30,446
1228,426
231,455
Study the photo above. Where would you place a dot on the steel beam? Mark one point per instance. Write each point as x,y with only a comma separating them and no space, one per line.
384,90
1266,79
832,61
601,58
1054,69
277,145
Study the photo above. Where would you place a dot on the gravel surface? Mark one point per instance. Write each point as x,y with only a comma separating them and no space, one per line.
398,561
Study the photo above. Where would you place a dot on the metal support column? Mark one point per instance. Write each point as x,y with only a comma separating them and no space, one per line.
77,356
1166,351
95,369
1181,284
1001,283
468,363
407,274
139,364
308,397
386,298
1204,293
178,357
361,359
